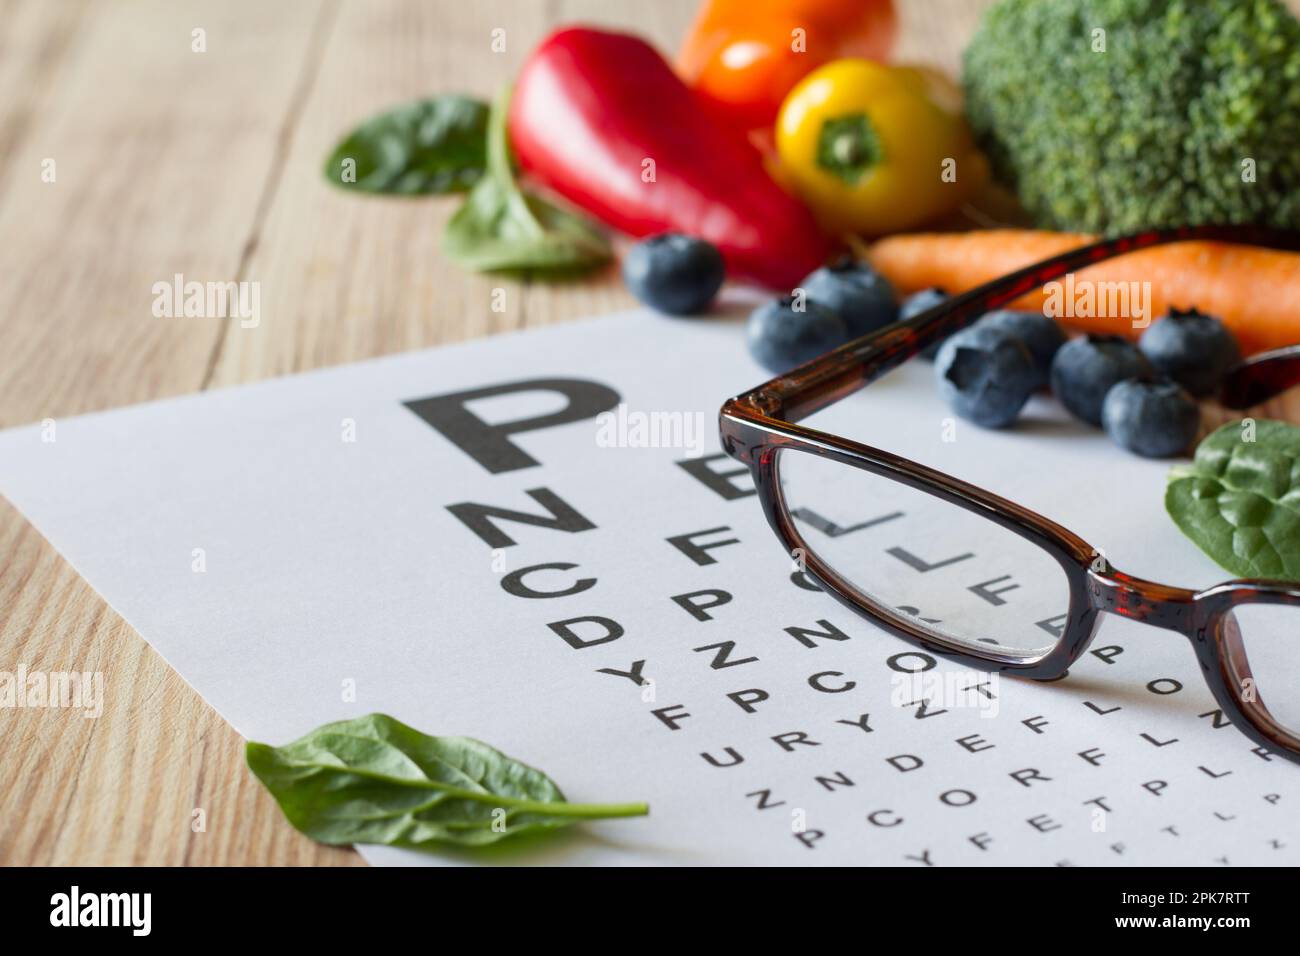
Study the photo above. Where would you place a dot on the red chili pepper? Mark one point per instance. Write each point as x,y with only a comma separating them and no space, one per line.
601,119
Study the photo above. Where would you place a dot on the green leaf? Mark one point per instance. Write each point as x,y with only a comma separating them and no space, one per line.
1240,500
375,780
430,146
502,228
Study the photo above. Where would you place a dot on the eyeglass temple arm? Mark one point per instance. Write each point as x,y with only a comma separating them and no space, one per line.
831,377
1260,377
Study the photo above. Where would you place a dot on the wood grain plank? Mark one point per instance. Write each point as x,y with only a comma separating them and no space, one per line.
347,276
160,154
35,39
163,159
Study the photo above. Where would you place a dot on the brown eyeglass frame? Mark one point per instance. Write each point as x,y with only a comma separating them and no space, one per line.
757,425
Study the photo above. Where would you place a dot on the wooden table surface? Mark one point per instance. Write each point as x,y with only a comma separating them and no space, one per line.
166,161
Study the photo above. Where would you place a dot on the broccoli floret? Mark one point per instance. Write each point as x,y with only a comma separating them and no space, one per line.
1182,112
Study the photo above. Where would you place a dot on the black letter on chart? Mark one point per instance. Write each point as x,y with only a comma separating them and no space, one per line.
815,682
839,780
634,674
1217,720
1054,625
763,802
478,517
700,609
717,481
985,590
1023,777
805,635
809,837
736,758
746,699
699,553
513,583
613,631
922,565
490,445
829,528
672,716
723,657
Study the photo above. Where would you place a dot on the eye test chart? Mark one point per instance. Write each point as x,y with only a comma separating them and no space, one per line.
534,540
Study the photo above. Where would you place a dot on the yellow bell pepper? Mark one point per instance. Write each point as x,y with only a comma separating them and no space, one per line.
875,149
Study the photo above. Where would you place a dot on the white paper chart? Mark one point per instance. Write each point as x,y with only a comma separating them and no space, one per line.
492,540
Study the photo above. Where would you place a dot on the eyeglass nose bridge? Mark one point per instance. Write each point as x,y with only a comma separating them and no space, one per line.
1171,608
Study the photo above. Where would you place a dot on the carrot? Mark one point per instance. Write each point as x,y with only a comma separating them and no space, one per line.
1256,292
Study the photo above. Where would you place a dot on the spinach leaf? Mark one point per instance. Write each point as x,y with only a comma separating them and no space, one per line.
501,228
429,146
1240,500
375,780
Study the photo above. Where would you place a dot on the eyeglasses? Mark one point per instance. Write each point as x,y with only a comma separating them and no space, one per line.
820,490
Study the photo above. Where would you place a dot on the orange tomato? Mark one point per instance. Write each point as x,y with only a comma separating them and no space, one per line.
744,56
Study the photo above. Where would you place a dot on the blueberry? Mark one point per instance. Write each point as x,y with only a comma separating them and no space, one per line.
1193,349
1085,369
674,273
1151,416
985,375
919,302
1040,334
859,294
781,337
